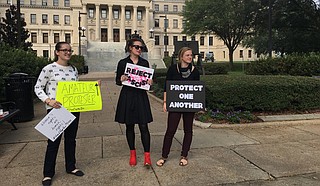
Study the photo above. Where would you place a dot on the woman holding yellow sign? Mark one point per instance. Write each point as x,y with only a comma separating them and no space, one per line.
133,105
183,71
45,89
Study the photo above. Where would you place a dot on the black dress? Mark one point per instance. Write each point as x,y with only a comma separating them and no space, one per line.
133,104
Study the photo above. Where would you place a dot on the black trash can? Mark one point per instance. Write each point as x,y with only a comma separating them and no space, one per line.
85,69
19,89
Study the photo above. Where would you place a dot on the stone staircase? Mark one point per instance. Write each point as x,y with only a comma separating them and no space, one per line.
104,56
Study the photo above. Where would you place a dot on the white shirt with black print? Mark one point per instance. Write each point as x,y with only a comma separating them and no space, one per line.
47,82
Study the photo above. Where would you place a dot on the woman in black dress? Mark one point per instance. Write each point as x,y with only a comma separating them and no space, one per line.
133,105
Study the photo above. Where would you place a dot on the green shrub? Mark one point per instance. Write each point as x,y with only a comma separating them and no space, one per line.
78,62
262,93
215,68
295,65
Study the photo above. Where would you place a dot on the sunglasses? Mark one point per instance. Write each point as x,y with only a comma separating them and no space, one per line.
66,50
137,47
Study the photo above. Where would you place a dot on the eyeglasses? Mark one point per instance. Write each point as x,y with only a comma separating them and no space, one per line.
66,50
137,47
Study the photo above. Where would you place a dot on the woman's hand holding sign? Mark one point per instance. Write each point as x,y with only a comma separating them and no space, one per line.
124,78
53,103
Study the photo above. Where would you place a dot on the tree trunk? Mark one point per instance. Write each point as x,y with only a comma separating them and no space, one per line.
231,58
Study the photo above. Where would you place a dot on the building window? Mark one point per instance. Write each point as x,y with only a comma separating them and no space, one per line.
156,40
55,19
44,3
175,38
139,16
55,2
104,13
175,8
128,14
183,23
9,2
45,18
166,40
33,18
67,38
67,19
184,38
56,37
193,38
116,14
66,3
21,2
45,38
241,54
32,2
156,7
202,55
202,40
165,8
91,11
175,23
166,23
210,41
156,23
23,16
46,53
224,54
33,37
249,53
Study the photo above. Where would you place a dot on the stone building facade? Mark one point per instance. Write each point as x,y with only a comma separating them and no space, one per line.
88,23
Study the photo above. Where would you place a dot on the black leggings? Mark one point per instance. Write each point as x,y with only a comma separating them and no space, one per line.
145,136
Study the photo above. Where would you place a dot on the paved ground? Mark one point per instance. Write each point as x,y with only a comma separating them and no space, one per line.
272,153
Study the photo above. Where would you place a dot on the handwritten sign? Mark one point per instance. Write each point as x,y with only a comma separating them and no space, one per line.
138,76
54,123
79,96
185,96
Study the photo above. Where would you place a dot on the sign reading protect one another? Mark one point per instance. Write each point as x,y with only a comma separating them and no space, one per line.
79,96
185,96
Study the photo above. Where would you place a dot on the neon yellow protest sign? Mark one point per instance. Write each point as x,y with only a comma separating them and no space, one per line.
79,96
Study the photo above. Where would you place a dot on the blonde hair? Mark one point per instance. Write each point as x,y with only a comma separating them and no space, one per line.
181,53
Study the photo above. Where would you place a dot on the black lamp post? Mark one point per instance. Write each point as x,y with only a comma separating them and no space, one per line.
165,35
270,28
80,29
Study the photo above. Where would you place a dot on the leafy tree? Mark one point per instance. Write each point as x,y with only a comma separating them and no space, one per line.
229,20
295,27
9,30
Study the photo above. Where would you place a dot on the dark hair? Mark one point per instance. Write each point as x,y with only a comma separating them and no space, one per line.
57,48
131,41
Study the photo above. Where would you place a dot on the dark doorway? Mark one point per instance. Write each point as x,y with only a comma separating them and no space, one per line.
104,35
128,34
116,37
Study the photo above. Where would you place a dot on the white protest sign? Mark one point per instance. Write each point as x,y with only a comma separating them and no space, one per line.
54,123
138,76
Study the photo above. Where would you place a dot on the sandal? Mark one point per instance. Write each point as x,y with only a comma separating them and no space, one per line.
161,162
76,172
183,161
46,181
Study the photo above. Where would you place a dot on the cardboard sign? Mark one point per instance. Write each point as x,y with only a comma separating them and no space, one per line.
138,76
54,123
79,96
185,96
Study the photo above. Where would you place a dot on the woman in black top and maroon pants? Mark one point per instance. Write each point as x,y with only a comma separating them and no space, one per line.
184,70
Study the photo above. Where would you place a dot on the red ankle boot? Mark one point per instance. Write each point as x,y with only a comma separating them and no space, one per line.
147,160
133,158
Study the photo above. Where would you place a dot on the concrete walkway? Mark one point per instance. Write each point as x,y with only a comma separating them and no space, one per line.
268,153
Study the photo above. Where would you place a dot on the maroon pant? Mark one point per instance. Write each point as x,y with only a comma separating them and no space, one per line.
172,125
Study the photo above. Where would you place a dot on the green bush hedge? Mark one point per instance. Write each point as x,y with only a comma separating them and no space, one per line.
295,65
215,68
262,93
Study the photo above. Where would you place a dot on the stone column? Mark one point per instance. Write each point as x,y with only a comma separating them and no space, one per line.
147,24
110,30
98,29
134,18
122,25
